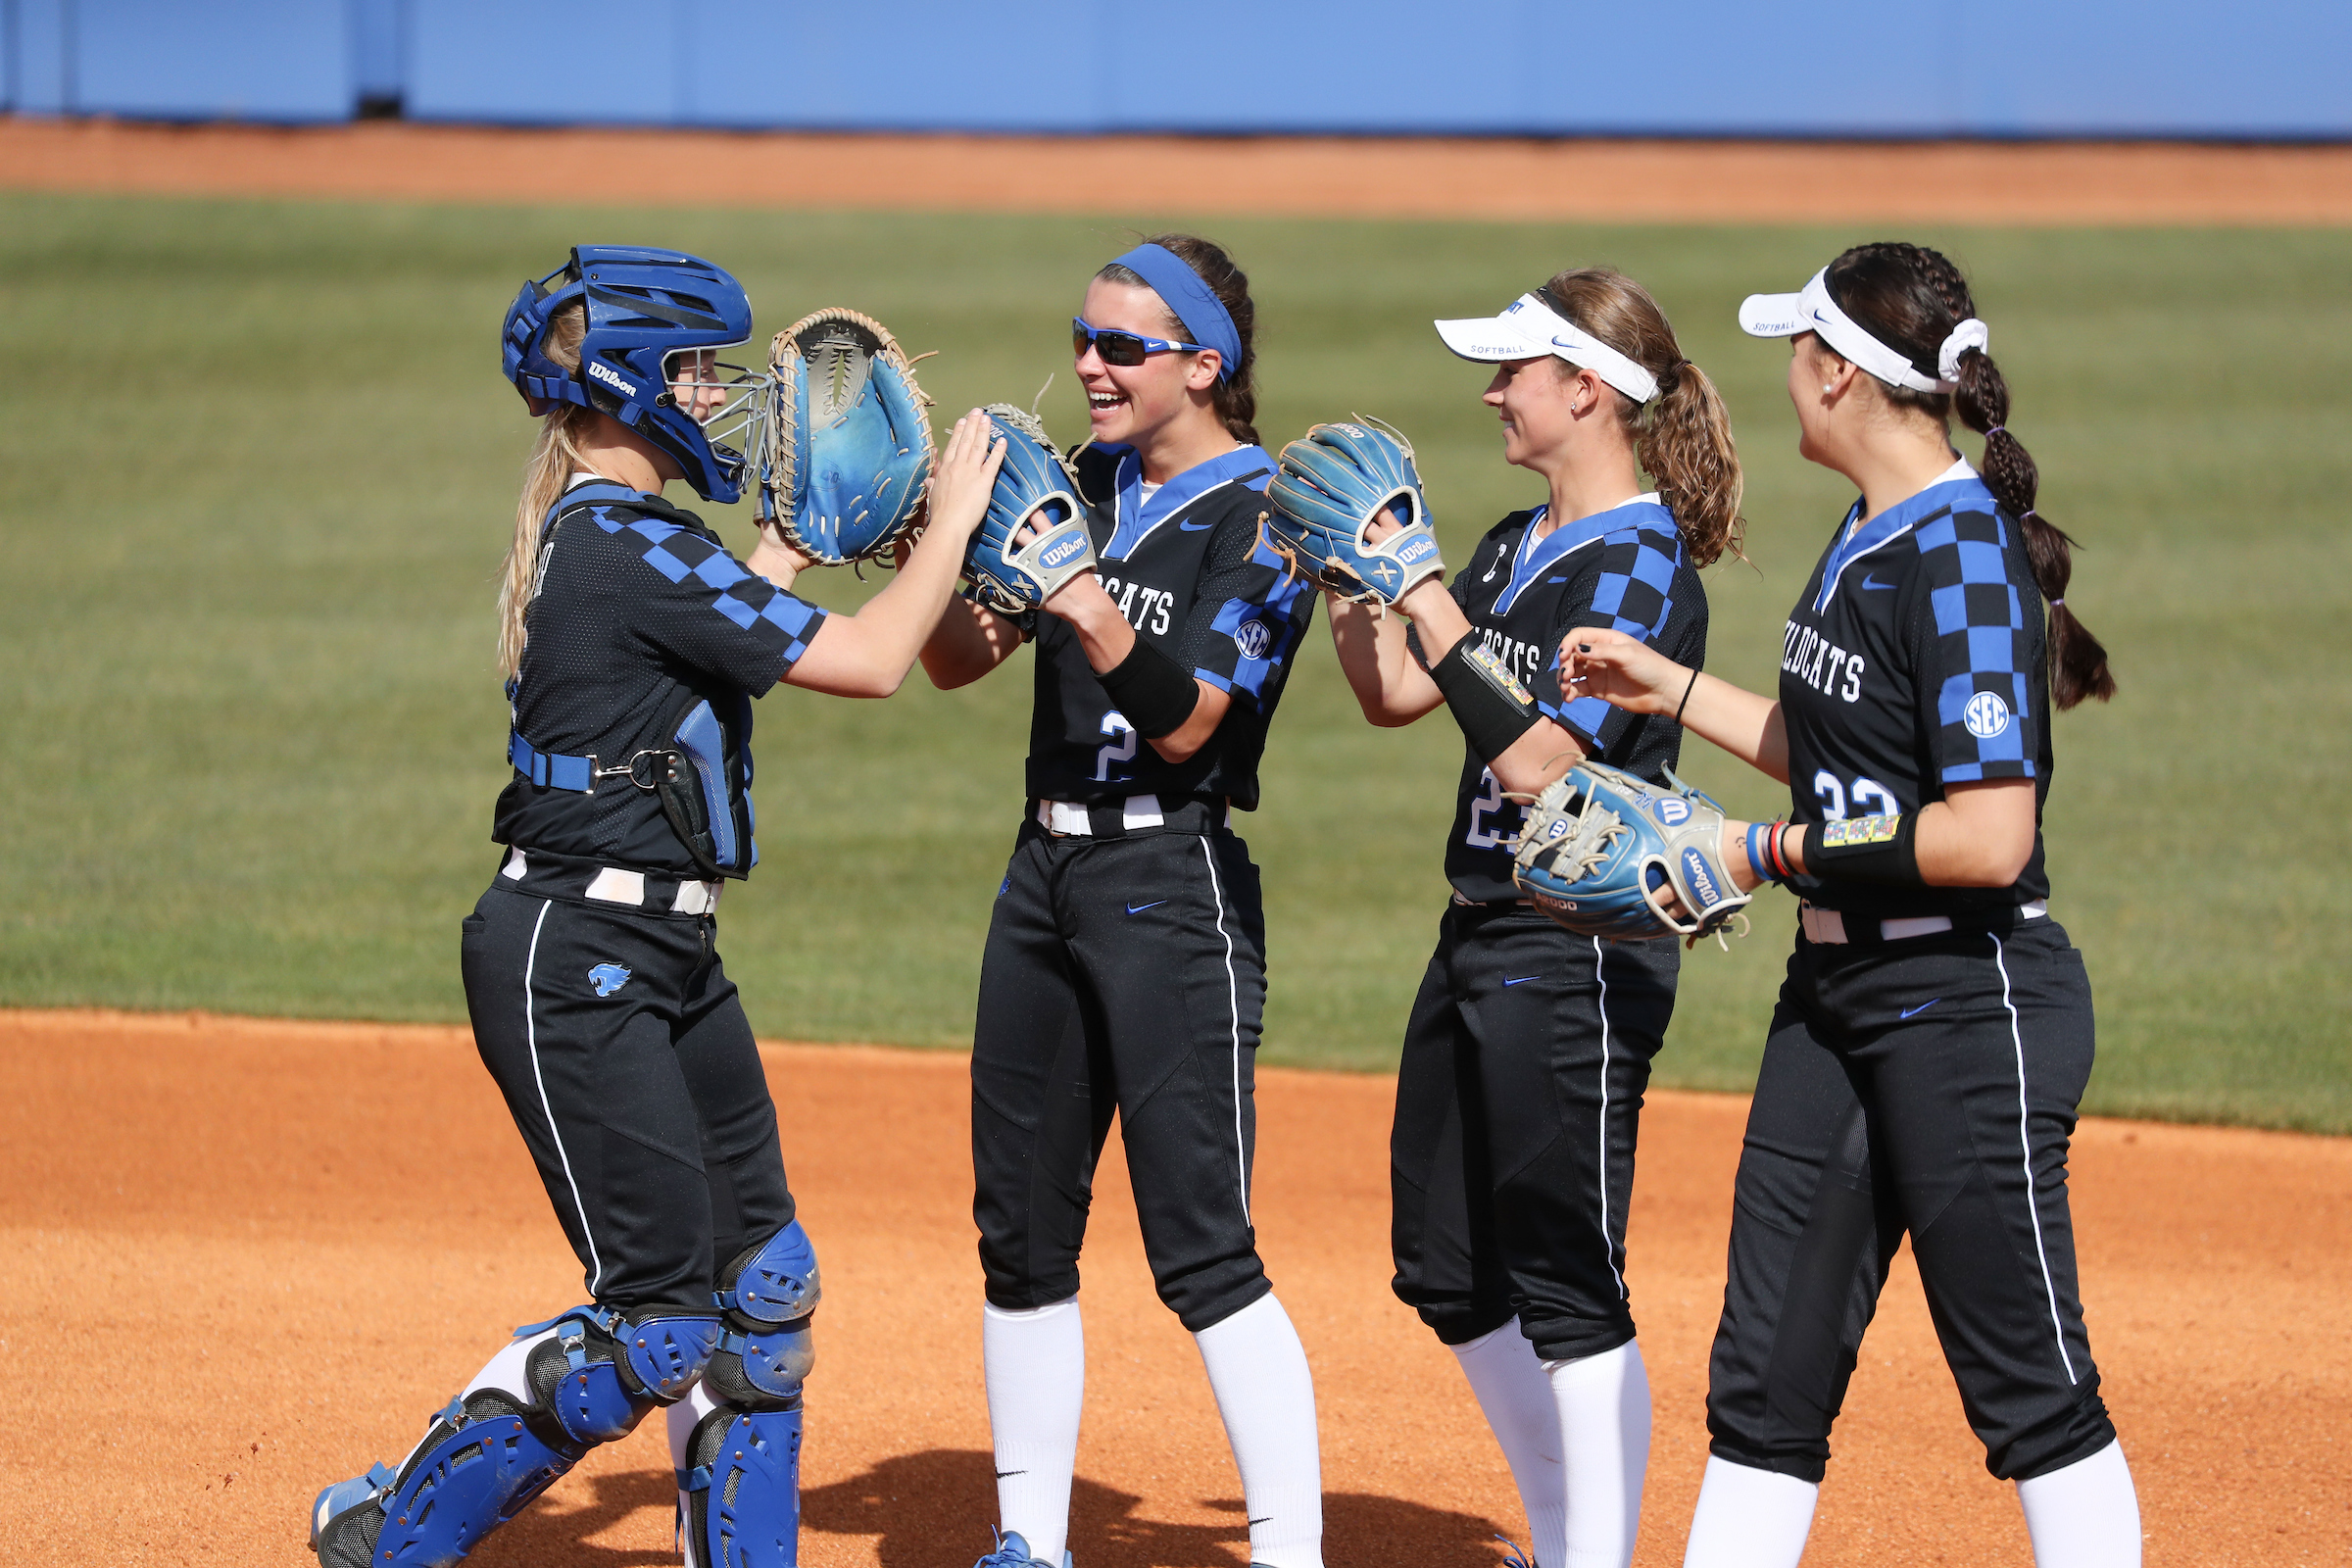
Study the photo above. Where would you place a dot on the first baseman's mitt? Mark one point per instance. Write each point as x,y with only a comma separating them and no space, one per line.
1334,482
1603,852
847,451
1010,575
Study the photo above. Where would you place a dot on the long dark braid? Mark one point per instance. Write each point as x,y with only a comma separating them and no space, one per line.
1910,297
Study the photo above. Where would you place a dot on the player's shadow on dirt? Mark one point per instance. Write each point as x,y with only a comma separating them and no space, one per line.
934,1509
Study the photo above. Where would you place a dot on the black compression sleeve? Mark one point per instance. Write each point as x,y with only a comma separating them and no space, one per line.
1492,707
1154,692
1880,849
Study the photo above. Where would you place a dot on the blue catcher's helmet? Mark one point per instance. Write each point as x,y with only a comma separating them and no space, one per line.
645,306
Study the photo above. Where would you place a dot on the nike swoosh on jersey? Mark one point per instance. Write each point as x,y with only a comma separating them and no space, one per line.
1922,1008
1193,527
1870,582
1138,909
1522,980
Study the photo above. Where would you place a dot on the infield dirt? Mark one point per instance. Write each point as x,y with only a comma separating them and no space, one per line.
248,1259
1609,182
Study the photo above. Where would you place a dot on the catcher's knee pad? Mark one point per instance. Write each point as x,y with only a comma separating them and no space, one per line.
561,1388
765,1349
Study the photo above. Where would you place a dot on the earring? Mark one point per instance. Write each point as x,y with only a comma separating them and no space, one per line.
1829,386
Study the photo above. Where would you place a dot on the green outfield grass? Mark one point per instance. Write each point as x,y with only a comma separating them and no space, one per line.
260,467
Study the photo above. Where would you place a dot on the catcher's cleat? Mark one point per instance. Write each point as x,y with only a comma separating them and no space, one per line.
1013,1552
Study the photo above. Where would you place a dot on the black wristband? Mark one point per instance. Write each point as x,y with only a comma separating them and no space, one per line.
1153,693
1492,707
1880,849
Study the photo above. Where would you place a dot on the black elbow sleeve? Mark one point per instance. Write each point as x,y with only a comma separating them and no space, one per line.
1154,692
1484,699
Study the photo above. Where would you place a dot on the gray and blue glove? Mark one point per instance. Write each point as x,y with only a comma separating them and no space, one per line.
1608,854
1008,573
1332,484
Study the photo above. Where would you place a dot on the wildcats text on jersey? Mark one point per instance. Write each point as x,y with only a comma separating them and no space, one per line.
1821,664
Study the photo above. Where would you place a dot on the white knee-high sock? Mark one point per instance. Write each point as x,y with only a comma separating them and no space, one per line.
2085,1515
1750,1518
1604,1432
1517,1396
1257,1370
681,1419
1036,1366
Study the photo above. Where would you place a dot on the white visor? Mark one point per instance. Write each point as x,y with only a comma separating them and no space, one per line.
1530,330
1813,310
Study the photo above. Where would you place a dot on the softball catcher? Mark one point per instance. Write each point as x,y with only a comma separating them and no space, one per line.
1933,1034
1529,1047
1125,969
633,645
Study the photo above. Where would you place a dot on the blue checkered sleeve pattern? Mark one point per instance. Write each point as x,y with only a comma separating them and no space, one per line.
1632,592
1248,614
1975,649
705,609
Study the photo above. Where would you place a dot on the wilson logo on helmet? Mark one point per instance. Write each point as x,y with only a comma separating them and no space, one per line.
599,370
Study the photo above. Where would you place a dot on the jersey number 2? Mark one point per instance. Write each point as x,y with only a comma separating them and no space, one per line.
1120,750
1482,836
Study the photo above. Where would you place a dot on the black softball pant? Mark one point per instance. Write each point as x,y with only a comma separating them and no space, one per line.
1128,975
625,1058
1927,1086
1518,1104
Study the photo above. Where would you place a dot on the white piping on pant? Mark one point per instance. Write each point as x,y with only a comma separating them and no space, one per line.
2025,1144
1608,1244
1233,997
530,1029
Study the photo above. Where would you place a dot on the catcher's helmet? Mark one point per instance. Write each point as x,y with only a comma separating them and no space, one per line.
644,306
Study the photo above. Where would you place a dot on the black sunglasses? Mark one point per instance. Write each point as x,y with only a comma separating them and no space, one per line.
1120,348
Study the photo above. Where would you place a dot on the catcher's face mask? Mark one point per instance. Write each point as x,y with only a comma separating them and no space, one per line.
720,397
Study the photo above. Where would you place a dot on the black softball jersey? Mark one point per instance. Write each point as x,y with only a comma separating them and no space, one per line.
1187,568
1915,661
645,635
1623,568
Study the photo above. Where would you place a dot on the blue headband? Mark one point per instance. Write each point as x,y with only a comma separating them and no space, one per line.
1203,314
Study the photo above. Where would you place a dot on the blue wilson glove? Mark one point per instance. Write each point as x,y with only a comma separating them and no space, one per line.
1011,577
1330,484
847,451
1607,853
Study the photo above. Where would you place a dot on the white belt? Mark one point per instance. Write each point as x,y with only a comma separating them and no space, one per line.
1068,819
1829,925
613,885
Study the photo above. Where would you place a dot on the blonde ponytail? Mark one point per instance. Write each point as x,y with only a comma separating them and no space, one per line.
1686,449
554,459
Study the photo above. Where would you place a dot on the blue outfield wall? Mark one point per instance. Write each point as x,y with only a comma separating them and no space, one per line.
1721,68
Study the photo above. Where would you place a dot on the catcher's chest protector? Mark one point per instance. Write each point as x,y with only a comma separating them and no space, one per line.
1189,573
1914,661
1623,568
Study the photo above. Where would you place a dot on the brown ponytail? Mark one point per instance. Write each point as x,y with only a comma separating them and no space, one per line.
1684,441
1235,397
1910,297
554,459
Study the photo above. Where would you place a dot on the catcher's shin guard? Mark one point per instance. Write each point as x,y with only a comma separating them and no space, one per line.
559,1390
739,1467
